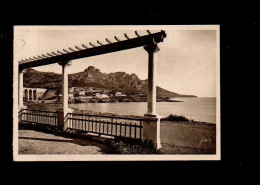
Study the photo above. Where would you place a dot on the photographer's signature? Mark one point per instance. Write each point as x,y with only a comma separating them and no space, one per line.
205,140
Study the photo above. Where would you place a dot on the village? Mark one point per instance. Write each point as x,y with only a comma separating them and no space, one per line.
85,95
81,95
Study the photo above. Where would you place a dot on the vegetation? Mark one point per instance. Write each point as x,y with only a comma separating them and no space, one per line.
43,107
172,117
183,119
134,147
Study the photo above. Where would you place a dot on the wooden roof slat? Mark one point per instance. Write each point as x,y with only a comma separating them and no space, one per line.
139,41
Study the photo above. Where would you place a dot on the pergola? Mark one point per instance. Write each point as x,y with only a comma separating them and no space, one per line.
63,58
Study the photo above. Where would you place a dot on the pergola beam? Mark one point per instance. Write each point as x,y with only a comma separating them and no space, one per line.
98,50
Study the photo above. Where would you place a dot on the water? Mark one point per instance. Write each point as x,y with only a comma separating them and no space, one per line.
198,109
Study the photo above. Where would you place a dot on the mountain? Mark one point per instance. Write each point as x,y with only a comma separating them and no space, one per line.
48,80
162,93
92,77
119,81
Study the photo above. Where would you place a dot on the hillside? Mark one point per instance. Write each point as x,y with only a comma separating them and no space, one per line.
92,77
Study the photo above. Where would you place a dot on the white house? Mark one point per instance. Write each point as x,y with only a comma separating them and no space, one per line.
71,95
104,96
90,89
82,93
97,95
119,94
71,90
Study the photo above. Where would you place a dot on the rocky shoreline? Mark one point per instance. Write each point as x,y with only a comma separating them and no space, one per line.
119,99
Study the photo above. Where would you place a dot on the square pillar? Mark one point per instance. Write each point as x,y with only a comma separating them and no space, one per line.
61,119
20,90
151,130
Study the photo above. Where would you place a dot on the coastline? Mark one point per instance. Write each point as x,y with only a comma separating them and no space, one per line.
177,137
57,106
119,99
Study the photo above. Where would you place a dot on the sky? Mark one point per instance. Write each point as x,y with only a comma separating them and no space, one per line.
186,62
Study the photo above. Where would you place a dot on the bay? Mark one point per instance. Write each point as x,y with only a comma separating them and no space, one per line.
198,109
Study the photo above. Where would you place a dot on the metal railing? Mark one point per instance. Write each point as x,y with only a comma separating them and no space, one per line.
115,126
105,125
38,117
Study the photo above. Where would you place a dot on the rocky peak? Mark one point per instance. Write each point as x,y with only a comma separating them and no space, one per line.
92,68
133,75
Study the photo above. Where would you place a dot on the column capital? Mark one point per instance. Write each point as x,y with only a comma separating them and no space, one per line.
151,48
21,70
65,63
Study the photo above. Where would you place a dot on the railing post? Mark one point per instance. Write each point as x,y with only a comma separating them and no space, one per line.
62,117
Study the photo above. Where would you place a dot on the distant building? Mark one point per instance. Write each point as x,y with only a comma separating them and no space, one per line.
71,95
97,95
89,89
104,96
33,94
119,94
82,92
72,90
48,95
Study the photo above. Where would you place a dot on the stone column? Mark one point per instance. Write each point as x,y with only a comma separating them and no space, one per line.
65,96
151,49
65,85
37,98
151,125
20,90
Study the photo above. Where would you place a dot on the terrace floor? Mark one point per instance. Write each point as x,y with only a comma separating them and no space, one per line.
176,138
34,142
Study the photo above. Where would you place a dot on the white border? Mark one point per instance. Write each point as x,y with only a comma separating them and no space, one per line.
119,157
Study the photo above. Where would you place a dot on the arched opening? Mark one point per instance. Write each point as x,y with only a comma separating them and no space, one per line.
30,94
25,94
34,95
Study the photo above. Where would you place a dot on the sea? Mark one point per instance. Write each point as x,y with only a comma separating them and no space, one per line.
198,109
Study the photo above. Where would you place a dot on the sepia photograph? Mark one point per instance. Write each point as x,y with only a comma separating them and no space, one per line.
116,93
